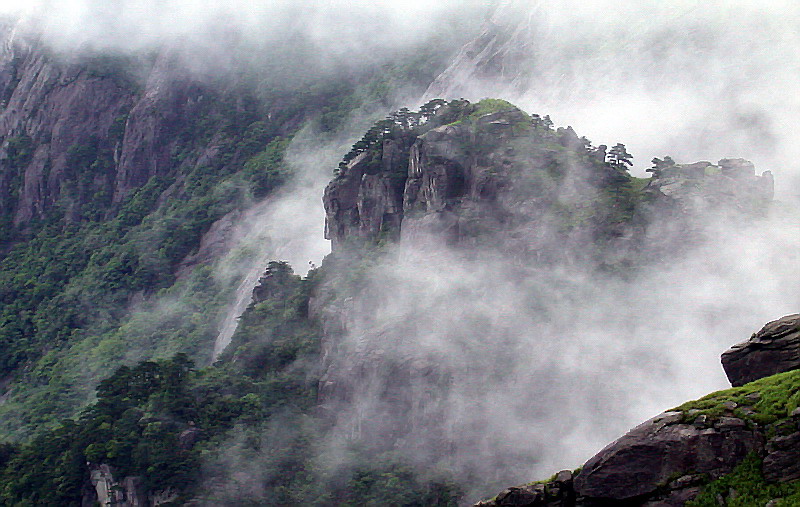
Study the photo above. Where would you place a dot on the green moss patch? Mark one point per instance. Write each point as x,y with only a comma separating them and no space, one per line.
745,487
489,106
763,401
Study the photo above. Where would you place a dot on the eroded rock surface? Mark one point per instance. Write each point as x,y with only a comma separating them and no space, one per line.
79,133
774,349
557,491
508,184
667,460
660,462
648,456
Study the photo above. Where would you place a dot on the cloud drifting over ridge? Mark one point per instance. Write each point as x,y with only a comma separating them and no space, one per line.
335,28
694,80
682,78
544,364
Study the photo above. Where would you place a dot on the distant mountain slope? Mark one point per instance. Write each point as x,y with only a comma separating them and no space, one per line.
122,177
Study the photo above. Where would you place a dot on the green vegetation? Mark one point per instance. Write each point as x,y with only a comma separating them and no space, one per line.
746,487
619,156
65,312
489,106
267,170
405,126
770,399
580,190
146,422
67,283
97,288
177,427
767,402
19,150
660,165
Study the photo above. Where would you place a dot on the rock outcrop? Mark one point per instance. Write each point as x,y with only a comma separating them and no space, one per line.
557,491
364,203
667,460
774,349
479,175
81,132
648,457
107,491
488,178
697,188
500,55
782,460
477,178
505,178
54,115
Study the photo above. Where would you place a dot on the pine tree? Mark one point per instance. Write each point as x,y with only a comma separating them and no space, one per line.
619,156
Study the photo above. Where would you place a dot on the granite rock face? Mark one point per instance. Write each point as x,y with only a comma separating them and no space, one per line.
500,54
59,108
494,179
104,489
662,462
666,461
731,184
782,461
86,130
555,492
482,179
366,202
477,180
654,452
502,182
774,349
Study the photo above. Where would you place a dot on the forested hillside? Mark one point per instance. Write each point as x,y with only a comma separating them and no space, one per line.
502,296
115,169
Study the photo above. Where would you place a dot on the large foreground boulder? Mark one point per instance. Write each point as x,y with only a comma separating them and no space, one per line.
661,462
667,460
649,456
774,349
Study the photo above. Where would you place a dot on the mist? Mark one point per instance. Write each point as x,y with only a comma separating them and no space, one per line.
286,226
545,366
290,38
694,80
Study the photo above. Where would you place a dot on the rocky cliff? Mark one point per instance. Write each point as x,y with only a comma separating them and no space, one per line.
120,173
467,175
674,457
500,57
488,181
80,132
129,492
774,349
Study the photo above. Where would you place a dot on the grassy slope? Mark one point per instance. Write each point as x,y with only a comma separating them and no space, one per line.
768,403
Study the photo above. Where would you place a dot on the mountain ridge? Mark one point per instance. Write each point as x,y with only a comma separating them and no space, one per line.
481,289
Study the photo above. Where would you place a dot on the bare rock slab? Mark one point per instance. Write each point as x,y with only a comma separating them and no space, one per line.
774,349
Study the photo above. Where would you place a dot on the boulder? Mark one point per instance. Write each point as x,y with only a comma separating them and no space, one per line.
557,492
736,167
188,438
774,349
782,462
647,457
